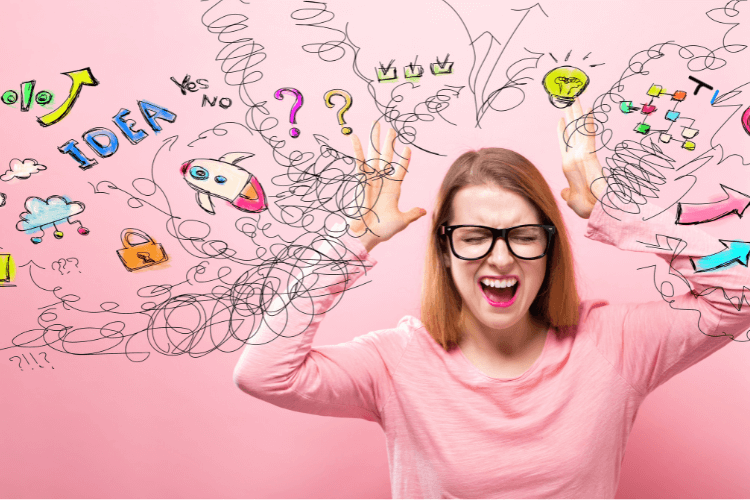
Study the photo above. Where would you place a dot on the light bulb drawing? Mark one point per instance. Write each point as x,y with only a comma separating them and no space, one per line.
564,84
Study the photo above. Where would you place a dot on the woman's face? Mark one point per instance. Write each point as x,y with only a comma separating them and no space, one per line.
485,304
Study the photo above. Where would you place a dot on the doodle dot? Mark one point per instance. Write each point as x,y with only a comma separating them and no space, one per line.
58,234
36,240
83,231
43,98
9,97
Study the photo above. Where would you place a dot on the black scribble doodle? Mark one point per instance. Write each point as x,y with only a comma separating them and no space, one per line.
241,52
638,171
487,53
667,291
181,318
485,48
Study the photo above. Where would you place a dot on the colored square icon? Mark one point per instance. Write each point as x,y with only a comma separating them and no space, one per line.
672,115
689,145
647,109
689,133
642,128
626,106
656,90
665,138
680,95
386,74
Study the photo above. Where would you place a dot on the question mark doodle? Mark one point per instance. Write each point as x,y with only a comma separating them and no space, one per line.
19,361
294,132
45,358
76,262
346,95
60,265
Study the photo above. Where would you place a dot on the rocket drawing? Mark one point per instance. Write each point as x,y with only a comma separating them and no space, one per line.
224,179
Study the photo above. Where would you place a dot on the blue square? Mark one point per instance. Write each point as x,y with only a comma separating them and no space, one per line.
673,115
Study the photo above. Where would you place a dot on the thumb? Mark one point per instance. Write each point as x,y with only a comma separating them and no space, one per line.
414,214
565,194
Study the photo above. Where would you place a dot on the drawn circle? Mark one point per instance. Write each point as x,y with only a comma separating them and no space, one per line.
82,230
10,96
346,131
199,173
295,132
43,98
220,179
36,240
58,234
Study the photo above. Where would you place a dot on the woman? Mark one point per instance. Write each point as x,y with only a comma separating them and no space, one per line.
508,387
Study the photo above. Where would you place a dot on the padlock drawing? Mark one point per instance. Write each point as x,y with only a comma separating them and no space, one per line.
137,255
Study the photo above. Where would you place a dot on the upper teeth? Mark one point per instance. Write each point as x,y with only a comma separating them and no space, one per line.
504,283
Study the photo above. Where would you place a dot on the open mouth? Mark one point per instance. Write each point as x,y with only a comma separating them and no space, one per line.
499,292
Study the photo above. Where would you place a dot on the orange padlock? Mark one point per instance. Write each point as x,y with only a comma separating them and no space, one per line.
140,255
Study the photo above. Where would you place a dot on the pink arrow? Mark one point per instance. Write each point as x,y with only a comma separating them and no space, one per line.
698,213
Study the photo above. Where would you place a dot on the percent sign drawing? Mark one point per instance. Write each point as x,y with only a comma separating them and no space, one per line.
80,78
42,98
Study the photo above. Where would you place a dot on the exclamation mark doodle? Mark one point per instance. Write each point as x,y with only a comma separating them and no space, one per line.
27,90
35,361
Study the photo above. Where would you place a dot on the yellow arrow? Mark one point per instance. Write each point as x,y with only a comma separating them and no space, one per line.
80,78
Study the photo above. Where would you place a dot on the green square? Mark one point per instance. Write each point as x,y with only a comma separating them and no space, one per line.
643,128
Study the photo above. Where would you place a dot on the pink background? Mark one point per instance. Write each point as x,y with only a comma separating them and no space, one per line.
174,426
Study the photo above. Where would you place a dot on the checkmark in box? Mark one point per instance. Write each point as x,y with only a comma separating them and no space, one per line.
387,74
413,72
445,68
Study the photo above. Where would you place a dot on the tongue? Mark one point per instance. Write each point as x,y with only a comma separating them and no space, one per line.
499,294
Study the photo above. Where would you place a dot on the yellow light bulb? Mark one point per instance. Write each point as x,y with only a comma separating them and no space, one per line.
564,84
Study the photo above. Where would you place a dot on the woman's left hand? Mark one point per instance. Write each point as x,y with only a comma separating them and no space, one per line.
580,164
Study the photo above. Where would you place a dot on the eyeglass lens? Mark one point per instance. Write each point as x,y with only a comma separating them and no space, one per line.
474,242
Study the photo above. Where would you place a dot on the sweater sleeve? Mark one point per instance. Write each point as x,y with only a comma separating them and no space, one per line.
701,312
279,365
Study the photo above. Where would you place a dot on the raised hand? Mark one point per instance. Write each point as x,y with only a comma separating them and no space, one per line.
379,217
580,164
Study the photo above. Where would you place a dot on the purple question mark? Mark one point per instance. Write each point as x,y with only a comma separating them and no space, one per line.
294,132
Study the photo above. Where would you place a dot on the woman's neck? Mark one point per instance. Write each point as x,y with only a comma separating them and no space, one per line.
514,342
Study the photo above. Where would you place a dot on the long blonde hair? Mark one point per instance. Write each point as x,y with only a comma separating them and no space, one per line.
557,302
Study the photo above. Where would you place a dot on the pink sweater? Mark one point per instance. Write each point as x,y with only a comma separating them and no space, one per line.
558,430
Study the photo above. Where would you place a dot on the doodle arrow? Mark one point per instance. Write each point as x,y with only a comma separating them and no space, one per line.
698,213
735,252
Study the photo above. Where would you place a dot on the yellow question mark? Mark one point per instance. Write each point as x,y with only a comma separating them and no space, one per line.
346,95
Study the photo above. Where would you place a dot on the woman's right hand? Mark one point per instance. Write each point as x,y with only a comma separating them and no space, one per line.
378,216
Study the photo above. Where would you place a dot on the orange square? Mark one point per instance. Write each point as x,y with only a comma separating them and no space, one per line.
680,95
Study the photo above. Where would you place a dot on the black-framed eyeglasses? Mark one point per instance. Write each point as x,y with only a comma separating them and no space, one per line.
527,242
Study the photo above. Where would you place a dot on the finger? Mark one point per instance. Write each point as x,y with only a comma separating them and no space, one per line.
359,154
577,111
589,122
414,214
565,194
373,152
561,137
403,164
386,153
